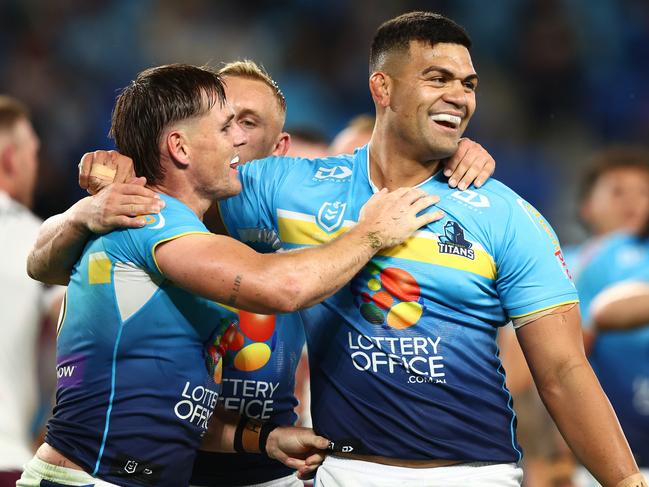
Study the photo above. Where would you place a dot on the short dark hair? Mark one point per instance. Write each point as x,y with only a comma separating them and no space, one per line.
156,98
609,159
428,27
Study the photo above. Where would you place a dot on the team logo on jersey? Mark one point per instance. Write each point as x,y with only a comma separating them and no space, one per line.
472,198
390,297
454,243
336,173
159,219
330,215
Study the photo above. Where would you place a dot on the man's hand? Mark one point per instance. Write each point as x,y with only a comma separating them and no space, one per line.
471,163
298,448
100,168
119,206
390,218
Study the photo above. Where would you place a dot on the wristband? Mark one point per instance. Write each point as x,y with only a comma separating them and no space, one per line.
635,480
266,429
238,435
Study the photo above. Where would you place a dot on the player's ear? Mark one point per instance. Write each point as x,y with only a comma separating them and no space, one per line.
8,160
380,87
177,145
282,145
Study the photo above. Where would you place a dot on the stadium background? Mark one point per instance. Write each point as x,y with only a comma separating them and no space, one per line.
559,78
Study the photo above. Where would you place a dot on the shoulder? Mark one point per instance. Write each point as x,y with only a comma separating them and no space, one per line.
493,202
174,220
334,167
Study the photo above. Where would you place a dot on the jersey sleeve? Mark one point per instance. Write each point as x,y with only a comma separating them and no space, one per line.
138,245
532,272
250,216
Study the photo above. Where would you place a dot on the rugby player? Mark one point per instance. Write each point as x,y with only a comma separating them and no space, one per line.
421,385
136,389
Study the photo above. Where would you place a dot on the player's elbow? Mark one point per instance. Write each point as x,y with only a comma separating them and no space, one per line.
289,294
39,272
33,270
553,383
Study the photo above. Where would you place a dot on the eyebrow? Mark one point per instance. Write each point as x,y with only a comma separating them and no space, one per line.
248,111
446,72
228,120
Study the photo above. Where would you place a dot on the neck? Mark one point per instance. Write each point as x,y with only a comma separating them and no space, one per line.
184,193
392,166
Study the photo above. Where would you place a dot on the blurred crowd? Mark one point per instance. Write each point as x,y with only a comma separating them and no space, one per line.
561,82
558,78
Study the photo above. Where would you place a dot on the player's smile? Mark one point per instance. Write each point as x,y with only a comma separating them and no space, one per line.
447,121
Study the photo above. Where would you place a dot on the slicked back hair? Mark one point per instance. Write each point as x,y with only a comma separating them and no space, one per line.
396,34
251,70
157,97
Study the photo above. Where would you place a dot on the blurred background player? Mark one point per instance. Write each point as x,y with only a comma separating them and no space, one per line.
307,142
615,207
24,303
357,133
613,197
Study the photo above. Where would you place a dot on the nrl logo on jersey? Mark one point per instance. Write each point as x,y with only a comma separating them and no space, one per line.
472,198
330,215
454,243
336,174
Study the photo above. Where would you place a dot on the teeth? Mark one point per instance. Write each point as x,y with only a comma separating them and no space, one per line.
234,161
445,117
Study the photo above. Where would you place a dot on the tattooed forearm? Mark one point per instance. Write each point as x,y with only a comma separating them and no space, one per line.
374,240
236,286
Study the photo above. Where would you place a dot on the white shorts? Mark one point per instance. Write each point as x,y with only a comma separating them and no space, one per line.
288,481
36,470
342,472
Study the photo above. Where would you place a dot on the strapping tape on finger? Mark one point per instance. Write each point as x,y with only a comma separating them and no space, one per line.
101,171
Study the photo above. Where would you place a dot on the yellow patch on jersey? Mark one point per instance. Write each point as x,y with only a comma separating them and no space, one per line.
422,247
99,268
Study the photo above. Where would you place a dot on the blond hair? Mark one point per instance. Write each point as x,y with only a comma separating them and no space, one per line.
246,68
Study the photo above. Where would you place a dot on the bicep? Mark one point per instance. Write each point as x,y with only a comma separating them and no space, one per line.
221,269
553,343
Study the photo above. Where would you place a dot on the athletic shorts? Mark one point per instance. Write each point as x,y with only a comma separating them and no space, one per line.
288,481
342,472
38,473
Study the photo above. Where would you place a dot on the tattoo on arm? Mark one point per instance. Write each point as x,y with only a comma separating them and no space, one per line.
375,241
236,286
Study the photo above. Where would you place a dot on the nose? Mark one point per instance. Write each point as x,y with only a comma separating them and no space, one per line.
239,136
456,94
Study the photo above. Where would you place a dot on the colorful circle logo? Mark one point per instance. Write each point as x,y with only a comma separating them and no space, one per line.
390,297
246,344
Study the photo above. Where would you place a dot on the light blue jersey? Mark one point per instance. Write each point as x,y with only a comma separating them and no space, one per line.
135,389
404,361
620,358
